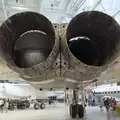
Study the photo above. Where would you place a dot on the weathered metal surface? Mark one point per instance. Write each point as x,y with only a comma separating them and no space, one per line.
80,50
93,37
28,43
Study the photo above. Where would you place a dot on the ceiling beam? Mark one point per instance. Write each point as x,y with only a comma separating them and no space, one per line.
116,13
98,3
4,9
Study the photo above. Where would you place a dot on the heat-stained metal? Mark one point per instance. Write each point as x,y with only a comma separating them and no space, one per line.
80,50
26,43
93,37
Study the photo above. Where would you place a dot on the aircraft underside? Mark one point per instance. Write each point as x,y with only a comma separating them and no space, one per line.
39,51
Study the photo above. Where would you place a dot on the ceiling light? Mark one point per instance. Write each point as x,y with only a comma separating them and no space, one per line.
70,80
20,8
43,82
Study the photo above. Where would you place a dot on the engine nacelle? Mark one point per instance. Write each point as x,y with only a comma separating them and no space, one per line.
93,38
26,41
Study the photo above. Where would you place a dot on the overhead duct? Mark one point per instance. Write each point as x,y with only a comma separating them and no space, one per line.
26,40
93,37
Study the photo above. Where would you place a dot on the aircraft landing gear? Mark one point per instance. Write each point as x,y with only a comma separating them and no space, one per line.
73,111
80,111
76,109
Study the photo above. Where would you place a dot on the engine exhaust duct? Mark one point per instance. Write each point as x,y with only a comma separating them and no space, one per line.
27,40
93,38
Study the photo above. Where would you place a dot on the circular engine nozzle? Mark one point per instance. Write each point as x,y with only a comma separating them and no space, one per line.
27,38
93,37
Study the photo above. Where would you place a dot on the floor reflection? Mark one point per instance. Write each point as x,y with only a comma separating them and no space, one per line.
58,112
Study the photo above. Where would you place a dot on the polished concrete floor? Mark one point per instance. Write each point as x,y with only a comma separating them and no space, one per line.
58,112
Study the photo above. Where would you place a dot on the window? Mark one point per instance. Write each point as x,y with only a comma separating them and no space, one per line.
98,93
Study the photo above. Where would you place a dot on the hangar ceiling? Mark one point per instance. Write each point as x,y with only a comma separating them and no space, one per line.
59,11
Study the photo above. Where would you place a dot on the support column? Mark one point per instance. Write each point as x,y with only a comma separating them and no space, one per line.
75,96
76,109
82,93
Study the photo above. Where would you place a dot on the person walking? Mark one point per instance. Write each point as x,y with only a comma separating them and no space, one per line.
114,104
101,104
106,103
6,106
93,102
2,102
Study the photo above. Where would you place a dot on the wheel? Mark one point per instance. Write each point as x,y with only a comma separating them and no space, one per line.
80,111
42,106
73,111
36,106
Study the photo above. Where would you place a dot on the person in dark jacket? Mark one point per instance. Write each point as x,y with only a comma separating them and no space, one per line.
106,103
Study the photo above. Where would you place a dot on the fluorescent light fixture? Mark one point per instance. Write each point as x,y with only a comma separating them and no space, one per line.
70,80
59,92
43,82
20,8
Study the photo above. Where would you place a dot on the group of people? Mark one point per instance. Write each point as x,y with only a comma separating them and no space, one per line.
109,103
4,105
